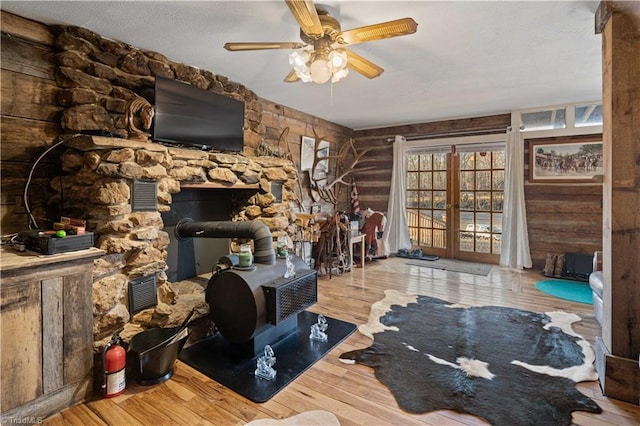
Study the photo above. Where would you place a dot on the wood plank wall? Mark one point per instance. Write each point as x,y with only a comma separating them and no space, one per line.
276,118
561,217
31,122
30,118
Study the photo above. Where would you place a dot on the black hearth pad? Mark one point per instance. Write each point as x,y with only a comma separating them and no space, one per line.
214,358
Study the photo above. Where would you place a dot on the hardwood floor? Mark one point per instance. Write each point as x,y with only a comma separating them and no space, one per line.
351,392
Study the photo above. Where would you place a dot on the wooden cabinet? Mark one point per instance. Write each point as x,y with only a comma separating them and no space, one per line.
46,321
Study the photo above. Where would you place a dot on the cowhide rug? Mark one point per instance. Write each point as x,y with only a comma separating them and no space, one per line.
507,366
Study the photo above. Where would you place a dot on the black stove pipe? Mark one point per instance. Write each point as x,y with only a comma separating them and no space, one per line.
254,229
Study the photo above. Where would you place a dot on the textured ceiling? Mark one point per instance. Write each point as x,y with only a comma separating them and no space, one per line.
466,58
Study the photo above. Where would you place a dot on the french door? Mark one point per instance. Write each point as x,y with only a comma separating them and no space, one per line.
455,198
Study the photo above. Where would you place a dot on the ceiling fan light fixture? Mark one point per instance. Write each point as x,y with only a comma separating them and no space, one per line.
320,70
338,59
339,75
315,59
298,59
319,65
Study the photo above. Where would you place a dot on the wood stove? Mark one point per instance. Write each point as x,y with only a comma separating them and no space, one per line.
259,306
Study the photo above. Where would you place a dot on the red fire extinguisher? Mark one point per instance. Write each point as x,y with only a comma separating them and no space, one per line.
114,360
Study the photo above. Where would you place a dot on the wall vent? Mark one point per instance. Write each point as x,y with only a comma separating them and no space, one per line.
276,190
144,196
142,293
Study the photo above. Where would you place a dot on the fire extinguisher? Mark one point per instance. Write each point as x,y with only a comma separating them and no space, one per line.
114,360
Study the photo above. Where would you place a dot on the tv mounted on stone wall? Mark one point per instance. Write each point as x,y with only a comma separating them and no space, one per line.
192,117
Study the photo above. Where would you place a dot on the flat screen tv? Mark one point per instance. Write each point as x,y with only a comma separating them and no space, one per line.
194,117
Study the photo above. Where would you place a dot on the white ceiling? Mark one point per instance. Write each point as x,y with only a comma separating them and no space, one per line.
466,58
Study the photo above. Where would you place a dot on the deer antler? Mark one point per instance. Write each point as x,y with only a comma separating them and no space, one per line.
351,168
283,139
326,191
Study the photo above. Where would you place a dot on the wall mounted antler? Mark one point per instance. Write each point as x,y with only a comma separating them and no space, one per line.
321,188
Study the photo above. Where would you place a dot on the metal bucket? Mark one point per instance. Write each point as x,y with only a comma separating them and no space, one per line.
156,351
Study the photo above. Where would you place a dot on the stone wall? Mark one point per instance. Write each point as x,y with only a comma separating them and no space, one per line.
100,76
99,173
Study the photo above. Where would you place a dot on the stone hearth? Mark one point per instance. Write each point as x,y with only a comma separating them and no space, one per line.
97,187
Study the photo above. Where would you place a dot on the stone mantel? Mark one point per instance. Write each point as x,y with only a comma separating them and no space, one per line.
90,142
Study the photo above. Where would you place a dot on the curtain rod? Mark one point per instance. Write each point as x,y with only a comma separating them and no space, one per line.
451,134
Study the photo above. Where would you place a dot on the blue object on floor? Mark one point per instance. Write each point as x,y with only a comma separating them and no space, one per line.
569,290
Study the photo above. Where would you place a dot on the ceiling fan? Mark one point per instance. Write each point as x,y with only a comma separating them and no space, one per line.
323,56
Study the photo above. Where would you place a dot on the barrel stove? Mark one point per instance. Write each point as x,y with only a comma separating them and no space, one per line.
253,307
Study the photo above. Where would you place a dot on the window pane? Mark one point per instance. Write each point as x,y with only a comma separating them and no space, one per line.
483,243
467,161
439,199
467,181
497,222
483,219
440,161
412,218
588,115
425,161
425,237
483,200
412,199
467,200
440,180
498,179
544,120
483,160
412,180
466,241
483,180
498,201
439,239
425,199
440,219
498,159
426,181
413,235
412,162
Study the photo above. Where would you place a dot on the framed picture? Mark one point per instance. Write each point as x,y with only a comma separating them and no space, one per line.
307,154
564,162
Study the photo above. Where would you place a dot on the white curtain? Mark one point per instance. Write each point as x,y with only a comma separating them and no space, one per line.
396,232
515,237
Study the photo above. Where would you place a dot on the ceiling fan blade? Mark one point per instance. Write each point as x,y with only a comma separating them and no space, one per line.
235,47
362,65
396,28
292,77
305,13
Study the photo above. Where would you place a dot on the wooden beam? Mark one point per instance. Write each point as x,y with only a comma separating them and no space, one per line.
603,13
617,351
608,7
25,28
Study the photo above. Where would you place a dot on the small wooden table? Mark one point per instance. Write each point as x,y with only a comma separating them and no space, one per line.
354,239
